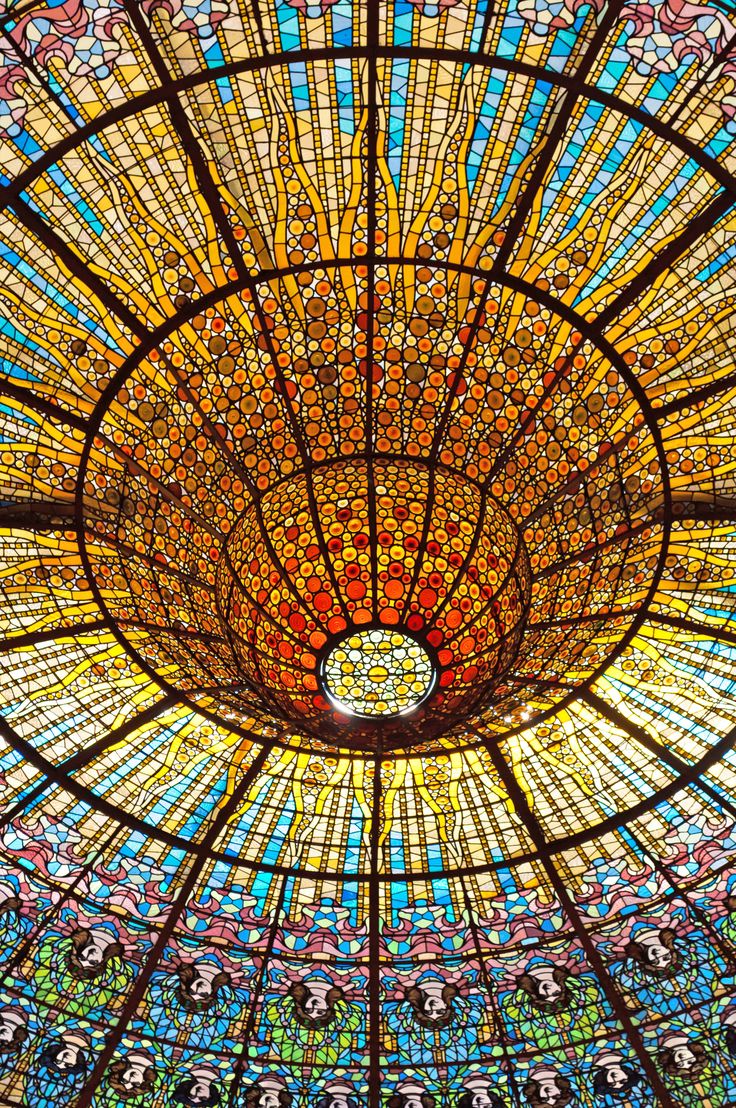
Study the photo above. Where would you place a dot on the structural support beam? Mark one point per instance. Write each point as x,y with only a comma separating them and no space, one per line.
688,773
592,954
192,873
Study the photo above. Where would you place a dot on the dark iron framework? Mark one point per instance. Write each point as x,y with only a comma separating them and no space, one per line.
281,286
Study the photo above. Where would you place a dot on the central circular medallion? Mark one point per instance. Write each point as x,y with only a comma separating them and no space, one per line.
377,673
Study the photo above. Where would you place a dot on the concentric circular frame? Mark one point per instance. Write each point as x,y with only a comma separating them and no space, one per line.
516,284
586,326
270,736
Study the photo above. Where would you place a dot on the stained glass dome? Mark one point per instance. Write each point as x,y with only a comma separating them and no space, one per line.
368,524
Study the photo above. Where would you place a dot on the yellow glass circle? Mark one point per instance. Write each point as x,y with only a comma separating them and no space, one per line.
377,672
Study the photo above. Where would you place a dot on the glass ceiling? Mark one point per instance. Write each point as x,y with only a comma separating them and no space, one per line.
368,524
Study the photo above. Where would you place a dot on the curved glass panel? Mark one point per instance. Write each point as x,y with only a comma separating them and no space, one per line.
402,324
